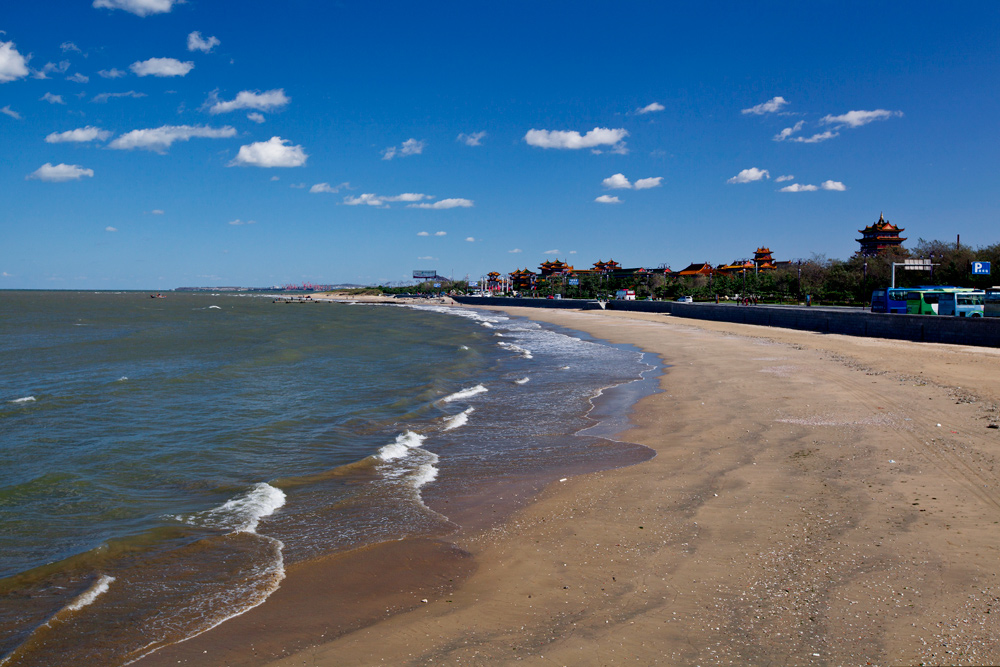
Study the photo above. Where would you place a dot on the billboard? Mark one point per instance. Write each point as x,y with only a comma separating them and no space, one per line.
424,274
574,281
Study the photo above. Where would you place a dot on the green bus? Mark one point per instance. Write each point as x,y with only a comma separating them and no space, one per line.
925,301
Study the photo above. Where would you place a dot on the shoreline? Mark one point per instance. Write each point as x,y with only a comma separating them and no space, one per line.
804,506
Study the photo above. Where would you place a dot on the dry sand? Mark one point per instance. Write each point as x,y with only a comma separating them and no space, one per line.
815,499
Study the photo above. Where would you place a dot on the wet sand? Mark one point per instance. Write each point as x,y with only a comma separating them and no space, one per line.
815,499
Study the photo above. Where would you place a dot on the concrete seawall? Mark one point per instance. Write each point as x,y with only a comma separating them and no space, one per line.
983,332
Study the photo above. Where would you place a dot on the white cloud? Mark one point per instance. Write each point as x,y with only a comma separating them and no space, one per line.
78,78
275,152
608,199
551,252
161,67
196,43
112,73
51,68
256,117
138,7
237,221
795,187
13,65
268,100
515,250
750,175
771,106
650,108
423,233
276,178
474,139
69,46
470,239
10,112
51,99
428,257
78,135
109,228
782,179
786,135
409,147
445,203
326,187
371,199
858,118
156,211
159,139
440,233
599,136
59,173
833,185
104,97
297,186
646,183
616,182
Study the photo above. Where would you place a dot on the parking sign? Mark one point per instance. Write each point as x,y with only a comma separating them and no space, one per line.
980,268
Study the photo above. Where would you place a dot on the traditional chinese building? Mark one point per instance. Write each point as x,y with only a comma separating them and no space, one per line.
737,266
609,266
879,236
762,259
494,283
555,268
523,279
704,269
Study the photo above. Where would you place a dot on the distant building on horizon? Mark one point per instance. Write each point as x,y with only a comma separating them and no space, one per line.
879,236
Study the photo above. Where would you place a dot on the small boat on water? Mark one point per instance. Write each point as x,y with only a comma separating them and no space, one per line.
157,296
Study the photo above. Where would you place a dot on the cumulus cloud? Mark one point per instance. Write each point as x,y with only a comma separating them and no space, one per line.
138,7
78,78
650,108
409,147
256,117
13,65
786,177
269,100
616,182
608,199
371,199
161,67
112,73
551,252
237,221
159,139
445,203
750,175
795,187
440,233
59,173
788,133
78,135
646,183
470,239
197,43
104,97
515,250
69,46
10,112
275,152
51,99
51,68
854,119
109,228
836,186
423,233
573,140
326,187
771,106
474,139
156,211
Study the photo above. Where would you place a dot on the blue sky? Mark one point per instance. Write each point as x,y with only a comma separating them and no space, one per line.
150,144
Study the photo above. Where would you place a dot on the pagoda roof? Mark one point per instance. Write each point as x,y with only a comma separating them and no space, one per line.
696,269
881,225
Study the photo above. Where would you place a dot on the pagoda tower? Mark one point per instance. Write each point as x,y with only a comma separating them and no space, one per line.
763,260
879,236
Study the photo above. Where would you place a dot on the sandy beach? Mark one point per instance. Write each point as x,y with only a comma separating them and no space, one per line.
814,499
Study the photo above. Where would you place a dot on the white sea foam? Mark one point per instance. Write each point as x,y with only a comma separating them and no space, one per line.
463,347
88,596
523,380
487,325
242,513
26,399
405,441
216,307
425,474
516,348
456,421
122,378
465,393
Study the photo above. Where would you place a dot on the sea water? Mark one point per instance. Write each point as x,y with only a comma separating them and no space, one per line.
163,460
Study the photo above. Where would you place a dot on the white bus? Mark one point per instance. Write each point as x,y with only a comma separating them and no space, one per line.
961,304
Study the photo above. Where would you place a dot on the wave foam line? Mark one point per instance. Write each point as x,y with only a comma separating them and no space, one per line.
26,399
405,441
465,393
242,513
459,420
523,380
88,596
425,474
516,348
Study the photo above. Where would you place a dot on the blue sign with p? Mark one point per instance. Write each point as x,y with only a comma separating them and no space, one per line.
980,268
